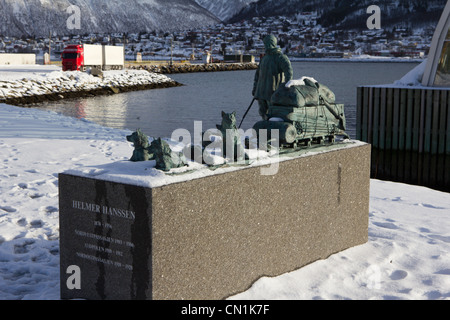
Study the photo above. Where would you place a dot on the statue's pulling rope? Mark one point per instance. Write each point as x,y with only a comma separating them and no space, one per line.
251,104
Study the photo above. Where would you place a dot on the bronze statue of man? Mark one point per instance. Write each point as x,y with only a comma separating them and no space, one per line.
274,69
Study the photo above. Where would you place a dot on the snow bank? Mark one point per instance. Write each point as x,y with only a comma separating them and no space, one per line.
17,72
21,82
407,256
414,77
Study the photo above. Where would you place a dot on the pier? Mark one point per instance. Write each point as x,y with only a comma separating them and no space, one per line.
409,130
409,126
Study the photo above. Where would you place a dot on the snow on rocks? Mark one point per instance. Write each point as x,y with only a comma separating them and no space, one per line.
58,84
202,67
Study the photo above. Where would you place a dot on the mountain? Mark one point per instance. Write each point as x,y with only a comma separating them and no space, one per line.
224,9
269,8
40,17
414,14
350,14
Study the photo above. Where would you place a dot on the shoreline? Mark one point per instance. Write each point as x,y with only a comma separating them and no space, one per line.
220,67
194,68
58,85
343,60
28,101
22,89
26,91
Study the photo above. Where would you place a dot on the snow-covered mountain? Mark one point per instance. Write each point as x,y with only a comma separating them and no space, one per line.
224,9
40,17
269,8
349,14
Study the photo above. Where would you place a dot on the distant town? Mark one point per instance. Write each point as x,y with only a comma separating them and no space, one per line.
299,37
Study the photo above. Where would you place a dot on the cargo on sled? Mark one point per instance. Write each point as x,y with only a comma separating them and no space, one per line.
304,112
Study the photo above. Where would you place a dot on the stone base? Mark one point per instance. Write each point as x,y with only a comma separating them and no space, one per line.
211,237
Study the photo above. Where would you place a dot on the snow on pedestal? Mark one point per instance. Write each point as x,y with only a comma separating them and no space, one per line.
205,234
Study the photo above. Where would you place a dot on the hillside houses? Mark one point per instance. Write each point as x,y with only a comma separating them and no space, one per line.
299,36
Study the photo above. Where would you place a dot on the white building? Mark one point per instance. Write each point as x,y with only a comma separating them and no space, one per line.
437,71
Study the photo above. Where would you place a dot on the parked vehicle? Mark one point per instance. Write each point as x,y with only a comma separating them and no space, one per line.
82,56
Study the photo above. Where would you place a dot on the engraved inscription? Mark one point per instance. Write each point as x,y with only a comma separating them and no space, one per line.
95,208
101,251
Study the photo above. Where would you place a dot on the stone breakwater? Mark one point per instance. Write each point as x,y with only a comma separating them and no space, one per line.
74,84
190,68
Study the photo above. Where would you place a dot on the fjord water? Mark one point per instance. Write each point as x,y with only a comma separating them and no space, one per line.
159,112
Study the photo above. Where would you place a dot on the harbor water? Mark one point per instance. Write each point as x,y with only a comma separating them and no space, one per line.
203,96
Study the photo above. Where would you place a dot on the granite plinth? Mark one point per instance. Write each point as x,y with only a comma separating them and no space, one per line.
211,237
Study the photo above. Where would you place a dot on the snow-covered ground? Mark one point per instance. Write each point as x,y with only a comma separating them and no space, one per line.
23,81
18,72
407,255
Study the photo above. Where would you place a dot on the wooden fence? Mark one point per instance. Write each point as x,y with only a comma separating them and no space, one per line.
409,130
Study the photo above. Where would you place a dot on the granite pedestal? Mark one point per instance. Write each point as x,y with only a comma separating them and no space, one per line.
209,236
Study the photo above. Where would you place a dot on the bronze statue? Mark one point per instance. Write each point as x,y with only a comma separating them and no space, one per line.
232,145
166,159
198,154
141,145
158,150
306,113
273,70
